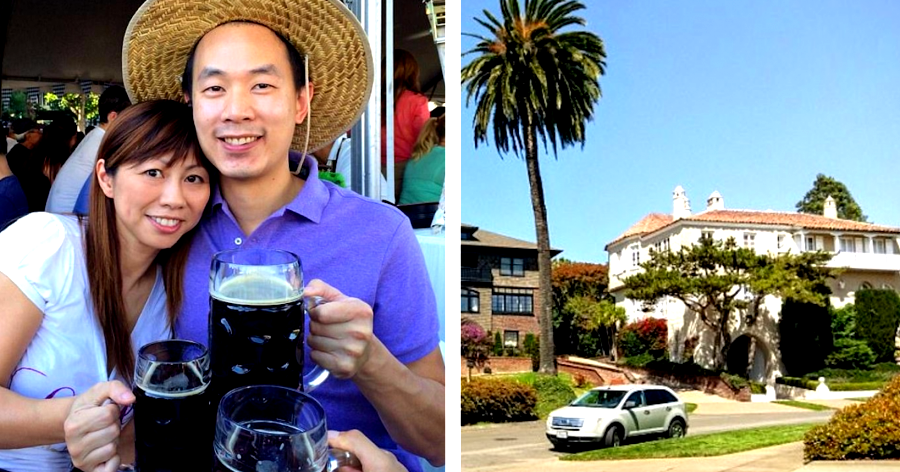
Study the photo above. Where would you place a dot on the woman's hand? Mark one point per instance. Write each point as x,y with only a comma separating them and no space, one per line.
93,426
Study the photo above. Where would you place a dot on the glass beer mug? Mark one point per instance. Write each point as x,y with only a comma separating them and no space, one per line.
266,428
173,420
256,321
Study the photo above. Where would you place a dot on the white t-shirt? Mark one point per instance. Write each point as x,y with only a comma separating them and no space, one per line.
340,151
43,255
72,175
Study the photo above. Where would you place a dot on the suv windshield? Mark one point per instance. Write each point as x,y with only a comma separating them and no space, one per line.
600,398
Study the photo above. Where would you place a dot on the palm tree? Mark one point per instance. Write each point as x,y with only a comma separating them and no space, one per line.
535,82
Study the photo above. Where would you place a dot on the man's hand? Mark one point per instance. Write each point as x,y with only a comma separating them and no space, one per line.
92,427
340,330
372,458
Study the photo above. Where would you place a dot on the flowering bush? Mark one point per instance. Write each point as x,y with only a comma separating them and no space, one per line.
476,344
647,336
867,431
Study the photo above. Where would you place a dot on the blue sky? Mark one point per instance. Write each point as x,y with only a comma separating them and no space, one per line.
752,99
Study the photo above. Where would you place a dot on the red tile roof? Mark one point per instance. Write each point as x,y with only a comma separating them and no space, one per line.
657,221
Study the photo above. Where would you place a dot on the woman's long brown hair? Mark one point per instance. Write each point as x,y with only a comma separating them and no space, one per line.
406,77
139,133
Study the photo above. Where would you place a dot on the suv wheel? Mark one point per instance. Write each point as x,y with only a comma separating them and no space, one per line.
676,429
613,437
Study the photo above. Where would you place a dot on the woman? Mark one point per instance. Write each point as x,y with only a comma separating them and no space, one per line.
78,298
410,114
423,180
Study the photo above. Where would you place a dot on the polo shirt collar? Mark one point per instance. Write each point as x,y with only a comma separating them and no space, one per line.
309,203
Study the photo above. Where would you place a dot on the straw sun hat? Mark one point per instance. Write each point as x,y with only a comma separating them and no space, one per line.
162,32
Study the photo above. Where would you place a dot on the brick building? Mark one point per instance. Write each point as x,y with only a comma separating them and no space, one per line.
499,289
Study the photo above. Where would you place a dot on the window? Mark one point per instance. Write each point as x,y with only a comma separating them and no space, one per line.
706,235
749,240
468,299
780,241
635,255
637,398
810,243
879,246
865,286
517,301
661,246
511,338
514,266
659,397
848,244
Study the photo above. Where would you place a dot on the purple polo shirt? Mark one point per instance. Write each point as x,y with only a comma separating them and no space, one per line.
365,249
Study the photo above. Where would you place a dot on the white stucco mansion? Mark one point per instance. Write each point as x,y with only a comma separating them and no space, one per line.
869,254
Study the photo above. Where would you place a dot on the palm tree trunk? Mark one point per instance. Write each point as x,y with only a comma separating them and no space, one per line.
548,358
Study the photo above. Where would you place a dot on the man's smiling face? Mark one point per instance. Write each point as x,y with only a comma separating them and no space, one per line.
244,100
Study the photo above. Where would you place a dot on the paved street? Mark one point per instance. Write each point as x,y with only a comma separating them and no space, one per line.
519,445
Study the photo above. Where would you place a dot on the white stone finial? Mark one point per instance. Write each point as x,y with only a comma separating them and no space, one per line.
830,210
681,206
715,202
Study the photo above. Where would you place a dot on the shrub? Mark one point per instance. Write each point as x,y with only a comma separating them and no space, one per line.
476,345
553,392
498,344
581,381
877,316
797,382
649,335
640,360
867,431
736,381
757,388
532,347
850,354
497,401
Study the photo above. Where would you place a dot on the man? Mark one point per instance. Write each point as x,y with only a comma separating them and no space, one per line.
377,330
21,163
79,167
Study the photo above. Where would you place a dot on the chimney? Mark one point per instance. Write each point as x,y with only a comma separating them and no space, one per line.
715,202
830,210
681,206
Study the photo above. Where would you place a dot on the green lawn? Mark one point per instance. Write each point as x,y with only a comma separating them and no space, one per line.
804,405
704,445
690,407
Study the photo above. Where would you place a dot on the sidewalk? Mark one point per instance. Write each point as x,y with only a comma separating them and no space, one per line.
714,405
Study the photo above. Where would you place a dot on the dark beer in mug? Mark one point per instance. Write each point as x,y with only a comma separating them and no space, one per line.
172,430
258,342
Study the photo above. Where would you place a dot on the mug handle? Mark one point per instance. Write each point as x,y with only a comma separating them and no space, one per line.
317,375
339,458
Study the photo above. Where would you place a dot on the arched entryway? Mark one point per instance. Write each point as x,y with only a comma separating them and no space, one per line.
739,360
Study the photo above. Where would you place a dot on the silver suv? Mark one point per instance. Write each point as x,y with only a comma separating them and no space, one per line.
609,415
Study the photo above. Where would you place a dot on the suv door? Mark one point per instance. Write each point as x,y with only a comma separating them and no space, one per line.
659,407
636,418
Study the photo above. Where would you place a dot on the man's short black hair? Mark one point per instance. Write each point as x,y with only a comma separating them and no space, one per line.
294,58
113,99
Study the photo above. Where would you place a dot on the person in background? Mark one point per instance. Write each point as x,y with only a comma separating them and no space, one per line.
410,114
424,177
12,199
10,138
79,296
28,135
335,157
55,147
76,173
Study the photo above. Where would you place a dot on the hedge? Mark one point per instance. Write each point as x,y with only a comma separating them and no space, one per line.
867,431
497,401
649,335
877,318
835,387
